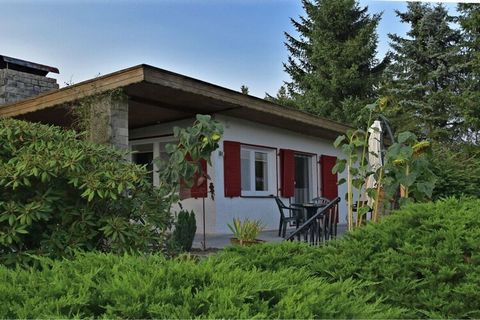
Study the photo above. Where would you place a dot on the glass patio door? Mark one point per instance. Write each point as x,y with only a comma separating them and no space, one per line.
303,178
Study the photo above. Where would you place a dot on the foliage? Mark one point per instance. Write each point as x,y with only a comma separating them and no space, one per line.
457,168
246,230
423,258
194,144
469,21
420,262
282,98
354,146
244,89
426,74
408,167
185,228
111,286
91,114
332,63
59,193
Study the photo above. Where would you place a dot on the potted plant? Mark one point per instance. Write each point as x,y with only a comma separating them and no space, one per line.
245,233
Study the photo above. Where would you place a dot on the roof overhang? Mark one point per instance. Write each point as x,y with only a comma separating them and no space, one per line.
158,96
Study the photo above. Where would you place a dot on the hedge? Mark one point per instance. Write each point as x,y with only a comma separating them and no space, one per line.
112,286
424,258
420,262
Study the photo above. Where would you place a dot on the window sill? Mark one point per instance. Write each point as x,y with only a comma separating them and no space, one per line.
254,196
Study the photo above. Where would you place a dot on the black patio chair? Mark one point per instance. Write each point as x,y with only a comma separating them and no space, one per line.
294,215
320,200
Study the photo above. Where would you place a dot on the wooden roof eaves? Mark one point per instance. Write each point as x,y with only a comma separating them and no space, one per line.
169,79
74,92
184,83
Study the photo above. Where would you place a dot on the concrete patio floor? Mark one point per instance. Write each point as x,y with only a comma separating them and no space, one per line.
220,241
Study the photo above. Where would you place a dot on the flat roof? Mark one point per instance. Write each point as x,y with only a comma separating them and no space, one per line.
157,96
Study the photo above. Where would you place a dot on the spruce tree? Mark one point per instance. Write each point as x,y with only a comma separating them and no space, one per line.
426,73
332,63
470,23
282,98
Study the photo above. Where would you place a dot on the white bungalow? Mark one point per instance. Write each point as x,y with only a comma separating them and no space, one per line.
266,149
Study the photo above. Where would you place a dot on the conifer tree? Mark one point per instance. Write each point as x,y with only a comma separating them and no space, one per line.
332,63
470,23
282,98
426,73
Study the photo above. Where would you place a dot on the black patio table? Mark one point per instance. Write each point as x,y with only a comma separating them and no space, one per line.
310,207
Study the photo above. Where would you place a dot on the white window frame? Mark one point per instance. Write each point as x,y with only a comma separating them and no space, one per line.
271,171
156,152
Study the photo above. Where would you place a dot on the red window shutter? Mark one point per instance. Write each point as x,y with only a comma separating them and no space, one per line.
199,188
329,180
231,169
287,167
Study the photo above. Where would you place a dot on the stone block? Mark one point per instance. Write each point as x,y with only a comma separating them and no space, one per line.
119,122
121,131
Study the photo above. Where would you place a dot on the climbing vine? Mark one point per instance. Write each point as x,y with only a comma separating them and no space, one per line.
91,114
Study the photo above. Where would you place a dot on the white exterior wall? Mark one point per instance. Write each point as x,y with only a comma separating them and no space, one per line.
265,209
222,210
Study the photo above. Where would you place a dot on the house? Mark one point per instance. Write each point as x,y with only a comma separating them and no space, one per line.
266,149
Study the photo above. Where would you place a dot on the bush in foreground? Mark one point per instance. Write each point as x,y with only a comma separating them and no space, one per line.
106,285
420,262
424,258
59,194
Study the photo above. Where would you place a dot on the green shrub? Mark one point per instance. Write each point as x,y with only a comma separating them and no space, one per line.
185,229
59,193
112,286
424,258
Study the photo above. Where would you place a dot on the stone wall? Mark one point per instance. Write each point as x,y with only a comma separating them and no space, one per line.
108,122
17,85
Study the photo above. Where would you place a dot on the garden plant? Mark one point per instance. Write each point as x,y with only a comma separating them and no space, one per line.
406,167
185,228
419,262
60,193
245,232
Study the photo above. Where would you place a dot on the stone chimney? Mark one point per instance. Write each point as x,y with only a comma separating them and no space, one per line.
20,79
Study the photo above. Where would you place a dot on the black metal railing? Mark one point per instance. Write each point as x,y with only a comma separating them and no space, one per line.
322,226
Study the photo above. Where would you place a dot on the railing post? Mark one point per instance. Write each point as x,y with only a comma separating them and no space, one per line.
313,230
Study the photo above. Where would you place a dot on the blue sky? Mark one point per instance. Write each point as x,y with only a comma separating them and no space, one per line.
226,42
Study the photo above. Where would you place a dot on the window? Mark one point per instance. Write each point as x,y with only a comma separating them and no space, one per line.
146,150
257,171
143,155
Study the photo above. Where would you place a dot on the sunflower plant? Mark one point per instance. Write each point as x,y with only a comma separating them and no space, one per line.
408,173
405,176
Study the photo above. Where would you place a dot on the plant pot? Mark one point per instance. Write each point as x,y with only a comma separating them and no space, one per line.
245,243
